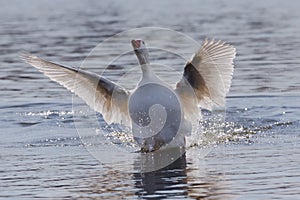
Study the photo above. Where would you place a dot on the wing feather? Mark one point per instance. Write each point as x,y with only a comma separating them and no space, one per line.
209,73
101,94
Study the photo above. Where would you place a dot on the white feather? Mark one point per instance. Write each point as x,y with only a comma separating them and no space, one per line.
214,63
102,95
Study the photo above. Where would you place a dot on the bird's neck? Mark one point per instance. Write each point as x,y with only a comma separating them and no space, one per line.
146,70
144,62
143,58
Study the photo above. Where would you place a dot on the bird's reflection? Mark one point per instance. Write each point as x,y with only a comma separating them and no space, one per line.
153,183
155,177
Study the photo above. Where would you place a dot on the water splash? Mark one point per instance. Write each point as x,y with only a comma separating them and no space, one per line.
56,142
212,130
49,113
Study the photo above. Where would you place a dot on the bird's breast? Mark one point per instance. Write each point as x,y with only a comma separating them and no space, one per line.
156,114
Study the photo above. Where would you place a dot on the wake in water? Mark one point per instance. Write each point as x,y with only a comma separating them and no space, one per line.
212,130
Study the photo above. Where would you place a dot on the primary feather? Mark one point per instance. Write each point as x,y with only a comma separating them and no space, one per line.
99,93
209,73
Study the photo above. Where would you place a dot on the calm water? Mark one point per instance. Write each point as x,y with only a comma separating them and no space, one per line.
257,158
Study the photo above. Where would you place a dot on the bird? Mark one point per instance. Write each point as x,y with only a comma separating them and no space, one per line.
159,115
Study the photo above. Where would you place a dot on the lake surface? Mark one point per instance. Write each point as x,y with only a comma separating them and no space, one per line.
256,157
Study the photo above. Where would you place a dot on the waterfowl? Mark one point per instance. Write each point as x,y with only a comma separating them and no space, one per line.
158,114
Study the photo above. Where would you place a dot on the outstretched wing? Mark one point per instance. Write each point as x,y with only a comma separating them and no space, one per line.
209,74
102,95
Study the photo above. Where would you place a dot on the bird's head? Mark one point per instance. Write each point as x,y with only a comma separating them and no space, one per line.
140,49
138,44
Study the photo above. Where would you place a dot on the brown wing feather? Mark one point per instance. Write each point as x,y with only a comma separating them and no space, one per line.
99,93
209,74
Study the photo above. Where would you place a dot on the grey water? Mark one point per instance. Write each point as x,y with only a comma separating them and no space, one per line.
257,157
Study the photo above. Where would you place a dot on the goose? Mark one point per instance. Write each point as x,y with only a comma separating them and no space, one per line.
159,115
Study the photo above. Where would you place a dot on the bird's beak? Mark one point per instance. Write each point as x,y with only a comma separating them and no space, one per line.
136,44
